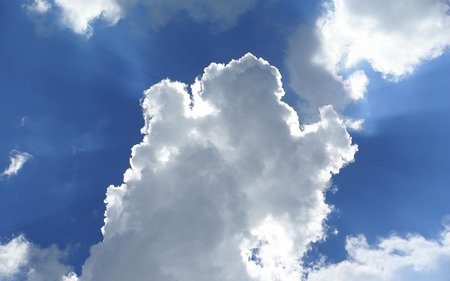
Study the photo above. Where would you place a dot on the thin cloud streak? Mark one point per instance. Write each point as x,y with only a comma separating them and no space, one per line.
18,159
79,16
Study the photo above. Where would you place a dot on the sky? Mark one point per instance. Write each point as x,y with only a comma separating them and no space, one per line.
224,140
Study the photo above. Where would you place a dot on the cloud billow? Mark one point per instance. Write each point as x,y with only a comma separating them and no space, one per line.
393,259
22,260
325,61
217,176
393,36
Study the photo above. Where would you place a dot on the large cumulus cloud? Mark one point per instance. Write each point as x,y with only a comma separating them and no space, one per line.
224,186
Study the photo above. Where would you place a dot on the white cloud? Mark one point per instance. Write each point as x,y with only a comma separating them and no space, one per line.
212,195
392,259
352,124
393,36
21,260
37,12
18,159
78,15
13,256
356,85
70,277
38,7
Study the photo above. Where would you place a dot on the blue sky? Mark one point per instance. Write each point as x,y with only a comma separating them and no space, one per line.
228,188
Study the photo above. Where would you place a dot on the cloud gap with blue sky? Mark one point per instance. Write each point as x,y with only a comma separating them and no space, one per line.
270,140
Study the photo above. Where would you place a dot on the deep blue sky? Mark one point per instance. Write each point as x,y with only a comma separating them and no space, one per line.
399,182
79,102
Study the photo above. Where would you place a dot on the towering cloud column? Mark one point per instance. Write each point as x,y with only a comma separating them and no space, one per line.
226,185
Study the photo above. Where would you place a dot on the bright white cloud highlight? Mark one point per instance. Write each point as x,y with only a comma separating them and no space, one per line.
78,15
18,159
12,256
21,260
38,7
356,85
355,125
230,190
393,36
393,258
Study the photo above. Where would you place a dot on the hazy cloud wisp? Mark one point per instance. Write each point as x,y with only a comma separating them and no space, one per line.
18,159
80,15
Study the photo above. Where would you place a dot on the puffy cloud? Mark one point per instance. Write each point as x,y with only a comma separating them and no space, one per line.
355,125
18,159
356,85
226,185
79,15
12,256
394,37
21,260
70,277
393,258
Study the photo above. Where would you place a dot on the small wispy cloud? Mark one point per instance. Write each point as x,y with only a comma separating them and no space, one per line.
23,121
38,7
18,159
